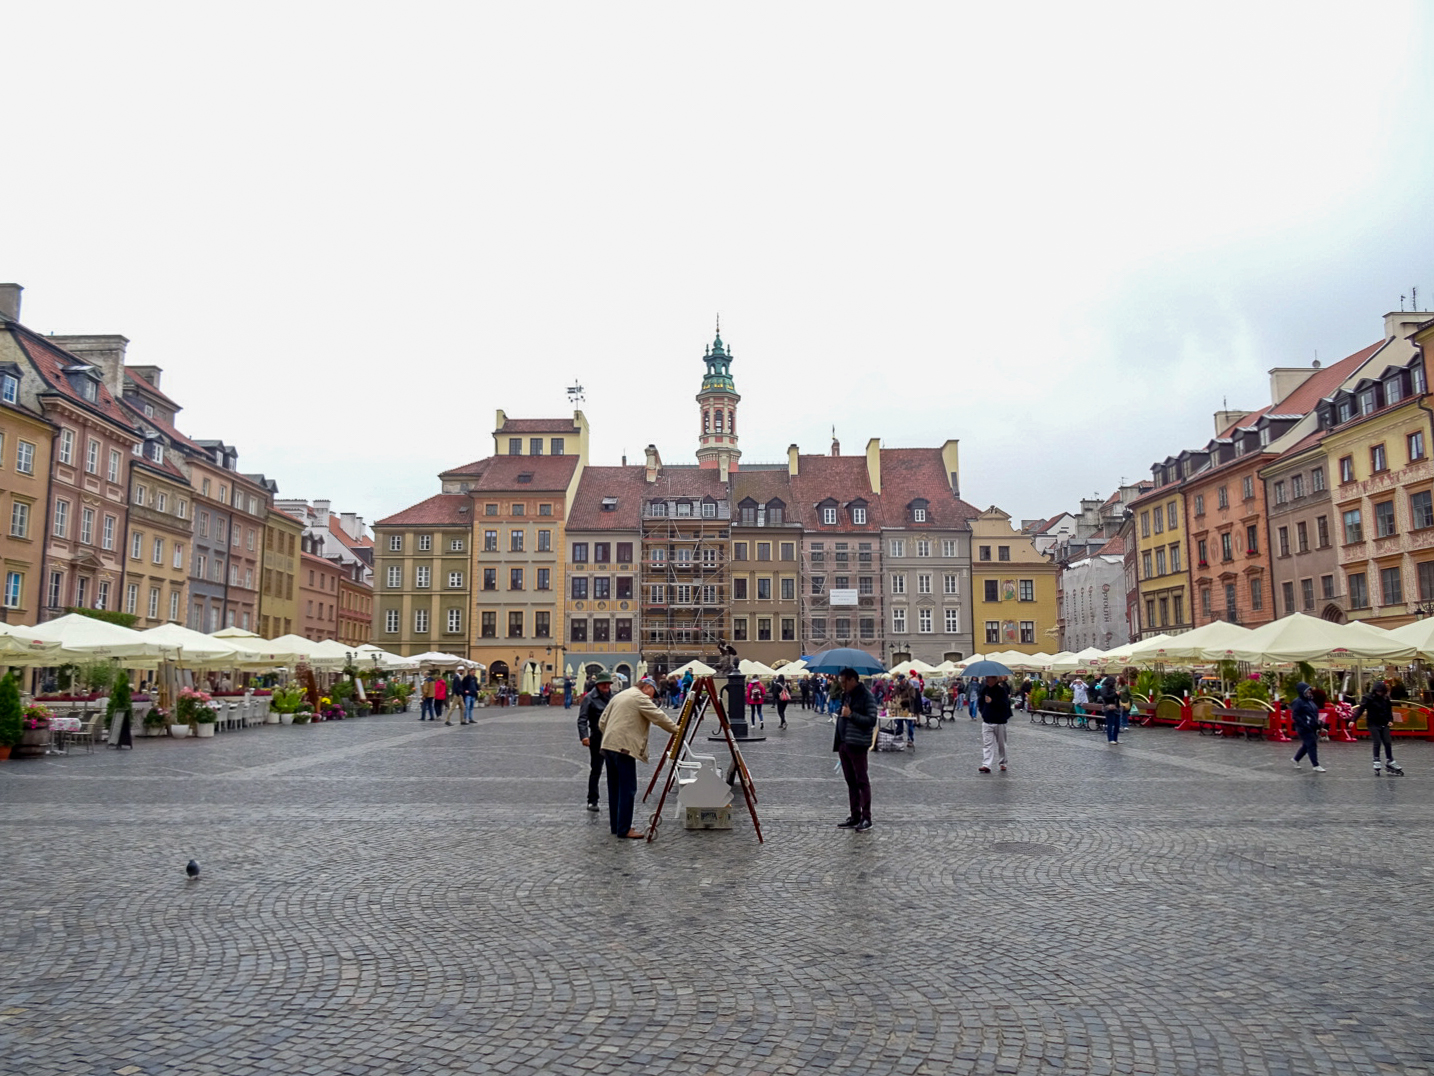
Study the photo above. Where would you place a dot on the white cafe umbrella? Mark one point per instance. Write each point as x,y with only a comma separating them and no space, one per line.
193,649
84,637
755,668
232,632
695,667
434,657
16,642
256,653
1297,637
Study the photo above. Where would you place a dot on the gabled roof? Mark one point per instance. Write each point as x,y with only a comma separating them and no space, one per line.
695,483
628,485
51,362
441,510
841,478
147,388
763,487
1113,548
337,530
908,474
499,474
538,425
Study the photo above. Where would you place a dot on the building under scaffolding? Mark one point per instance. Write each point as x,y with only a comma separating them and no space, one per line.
686,547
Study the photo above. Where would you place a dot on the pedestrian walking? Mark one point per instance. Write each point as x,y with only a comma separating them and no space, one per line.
783,697
1080,696
911,698
1110,708
1378,711
1306,718
425,712
625,725
855,723
806,688
1123,691
590,709
567,693
440,698
468,689
756,695
995,715
973,693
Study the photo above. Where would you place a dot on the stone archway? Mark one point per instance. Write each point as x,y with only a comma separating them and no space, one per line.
624,669
1333,613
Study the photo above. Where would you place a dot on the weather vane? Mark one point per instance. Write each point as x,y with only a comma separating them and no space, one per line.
575,394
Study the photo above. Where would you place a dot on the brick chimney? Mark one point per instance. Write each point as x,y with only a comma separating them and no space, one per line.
654,462
321,514
10,301
105,351
793,460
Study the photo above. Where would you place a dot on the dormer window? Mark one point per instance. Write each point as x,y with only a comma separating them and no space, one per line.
776,510
1346,410
747,511
1416,378
684,508
525,478
149,410
709,509
1239,446
609,504
1394,389
1264,435
9,388
829,516
1366,402
156,452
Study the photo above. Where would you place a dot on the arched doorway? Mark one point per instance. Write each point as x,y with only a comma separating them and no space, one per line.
498,672
624,670
1333,613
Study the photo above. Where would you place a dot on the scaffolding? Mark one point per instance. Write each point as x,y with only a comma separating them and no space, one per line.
686,588
842,562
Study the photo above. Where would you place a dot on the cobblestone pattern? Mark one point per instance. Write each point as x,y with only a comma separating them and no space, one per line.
379,896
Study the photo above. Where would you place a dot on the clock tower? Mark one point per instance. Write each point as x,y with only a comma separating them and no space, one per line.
717,403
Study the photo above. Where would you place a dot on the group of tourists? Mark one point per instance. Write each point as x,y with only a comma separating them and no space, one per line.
439,691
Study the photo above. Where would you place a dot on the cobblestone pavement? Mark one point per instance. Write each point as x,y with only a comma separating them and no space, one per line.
380,896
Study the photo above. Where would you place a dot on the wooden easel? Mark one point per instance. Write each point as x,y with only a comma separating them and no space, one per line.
701,698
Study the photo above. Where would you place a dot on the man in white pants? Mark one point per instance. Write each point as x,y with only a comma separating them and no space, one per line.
995,715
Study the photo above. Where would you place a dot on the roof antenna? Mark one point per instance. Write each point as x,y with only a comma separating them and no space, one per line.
1401,304
1413,298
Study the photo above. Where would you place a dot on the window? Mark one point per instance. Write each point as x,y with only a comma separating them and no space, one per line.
1249,487
1302,538
425,543
25,457
1028,631
92,457
420,621
1279,489
1252,539
1222,497
898,582
1358,591
1297,486
518,509
1307,593
1353,530
580,551
515,446
67,446
1421,510
622,629
1144,532
1175,557
1026,590
789,629
858,516
918,515
1346,469
14,581
152,611
62,519
131,598
739,589
19,520
923,621
1227,547
991,590
1317,479
395,545
395,576
1199,504
422,576
1392,586
866,626
953,621
545,541
57,584
923,583
488,626
1257,593
579,587
764,590
1003,552
1321,532
1366,402
515,625
993,631
898,547
455,545
1415,444
898,621
455,621
490,509
490,578
515,541
10,391
1286,589
865,584
545,580
739,628
1384,519
1160,561
455,580
818,583
789,589
1149,615
1158,519
157,552
602,587
764,550
949,583
1377,461
490,541
829,516
764,629
1326,583
983,552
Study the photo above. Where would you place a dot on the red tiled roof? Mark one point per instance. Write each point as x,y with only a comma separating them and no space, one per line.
551,474
911,473
1324,382
440,510
337,530
537,425
169,430
695,482
50,361
146,387
842,478
1113,548
762,486
627,484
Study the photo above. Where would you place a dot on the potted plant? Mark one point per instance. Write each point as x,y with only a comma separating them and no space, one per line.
285,701
196,710
120,706
303,717
11,717
156,722
35,732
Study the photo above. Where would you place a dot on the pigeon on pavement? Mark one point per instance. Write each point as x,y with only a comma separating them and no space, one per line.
192,869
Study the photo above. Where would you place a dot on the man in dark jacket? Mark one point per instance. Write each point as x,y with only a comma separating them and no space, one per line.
589,712
1378,711
854,726
468,689
1109,697
995,715
1306,718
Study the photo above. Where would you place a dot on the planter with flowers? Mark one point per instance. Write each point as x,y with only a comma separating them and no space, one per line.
157,721
35,732
196,710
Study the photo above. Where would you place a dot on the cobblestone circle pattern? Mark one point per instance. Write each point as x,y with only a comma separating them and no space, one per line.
384,896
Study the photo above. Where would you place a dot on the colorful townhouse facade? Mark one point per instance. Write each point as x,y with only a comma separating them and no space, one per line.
26,439
1014,587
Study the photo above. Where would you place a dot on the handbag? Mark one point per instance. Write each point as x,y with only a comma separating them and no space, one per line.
785,696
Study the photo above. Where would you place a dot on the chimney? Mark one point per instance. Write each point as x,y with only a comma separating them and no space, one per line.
873,464
836,447
654,462
351,524
321,514
793,458
10,301
1225,419
1397,325
105,351
724,467
1285,379
148,373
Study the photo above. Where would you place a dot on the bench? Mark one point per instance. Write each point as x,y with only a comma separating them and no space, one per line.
1223,721
1062,711
1409,720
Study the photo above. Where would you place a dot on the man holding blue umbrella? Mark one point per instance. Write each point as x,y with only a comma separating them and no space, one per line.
855,722
995,711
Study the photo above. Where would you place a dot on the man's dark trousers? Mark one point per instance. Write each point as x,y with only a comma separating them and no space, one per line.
621,791
858,785
596,752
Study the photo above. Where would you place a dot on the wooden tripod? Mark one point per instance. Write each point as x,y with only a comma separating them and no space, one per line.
700,699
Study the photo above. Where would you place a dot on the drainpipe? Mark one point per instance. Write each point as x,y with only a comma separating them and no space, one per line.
45,535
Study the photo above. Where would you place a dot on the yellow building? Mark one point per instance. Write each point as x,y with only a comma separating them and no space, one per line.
1014,587
25,441
1382,484
422,577
278,603
1162,555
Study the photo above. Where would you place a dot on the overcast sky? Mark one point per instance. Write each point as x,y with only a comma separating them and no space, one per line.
1060,233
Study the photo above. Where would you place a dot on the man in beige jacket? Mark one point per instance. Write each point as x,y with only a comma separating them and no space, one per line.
625,724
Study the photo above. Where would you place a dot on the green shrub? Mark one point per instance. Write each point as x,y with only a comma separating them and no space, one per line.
10,712
1176,683
119,704
1247,690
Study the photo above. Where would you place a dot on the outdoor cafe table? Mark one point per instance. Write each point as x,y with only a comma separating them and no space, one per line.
61,725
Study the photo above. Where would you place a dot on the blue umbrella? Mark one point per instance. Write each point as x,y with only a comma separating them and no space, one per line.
986,668
845,657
